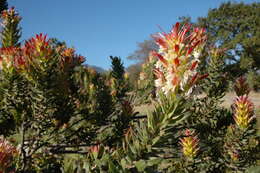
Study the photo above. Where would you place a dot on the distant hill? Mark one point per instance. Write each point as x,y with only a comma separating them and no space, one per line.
98,69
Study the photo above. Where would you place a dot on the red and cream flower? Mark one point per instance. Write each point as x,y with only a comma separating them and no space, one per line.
178,58
10,15
12,56
7,154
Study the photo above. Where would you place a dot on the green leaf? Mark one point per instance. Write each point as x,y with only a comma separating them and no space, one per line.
254,169
141,165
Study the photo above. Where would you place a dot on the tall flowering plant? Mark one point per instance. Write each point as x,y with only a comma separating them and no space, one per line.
11,32
150,145
176,71
178,59
241,143
36,92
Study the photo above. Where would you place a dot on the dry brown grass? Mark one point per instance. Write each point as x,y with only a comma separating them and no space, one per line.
253,96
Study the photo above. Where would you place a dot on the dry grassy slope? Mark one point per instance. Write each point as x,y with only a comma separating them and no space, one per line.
228,100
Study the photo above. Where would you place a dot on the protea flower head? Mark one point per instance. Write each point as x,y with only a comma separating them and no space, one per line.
7,154
190,144
68,52
94,148
12,57
97,151
243,111
178,58
38,47
70,58
241,87
6,58
10,15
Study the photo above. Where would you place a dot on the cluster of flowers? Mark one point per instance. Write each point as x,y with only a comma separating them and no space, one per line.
178,58
243,114
35,52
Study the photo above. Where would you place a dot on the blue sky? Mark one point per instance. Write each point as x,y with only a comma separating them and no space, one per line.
100,28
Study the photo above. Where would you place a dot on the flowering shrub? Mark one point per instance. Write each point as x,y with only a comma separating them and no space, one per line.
11,31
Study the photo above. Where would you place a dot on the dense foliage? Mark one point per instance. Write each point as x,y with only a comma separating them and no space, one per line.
235,27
